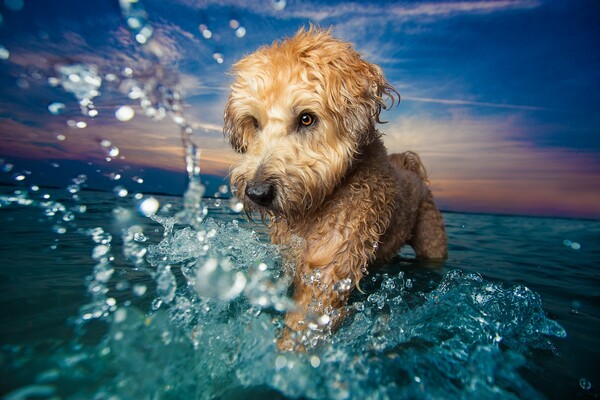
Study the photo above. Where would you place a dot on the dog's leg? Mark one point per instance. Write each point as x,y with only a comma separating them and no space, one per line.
319,302
324,277
429,237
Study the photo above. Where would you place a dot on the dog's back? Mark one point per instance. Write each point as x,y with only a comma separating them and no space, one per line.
409,161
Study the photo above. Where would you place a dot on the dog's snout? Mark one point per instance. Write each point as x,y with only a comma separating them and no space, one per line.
262,193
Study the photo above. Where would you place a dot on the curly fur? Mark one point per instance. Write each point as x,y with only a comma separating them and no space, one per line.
336,195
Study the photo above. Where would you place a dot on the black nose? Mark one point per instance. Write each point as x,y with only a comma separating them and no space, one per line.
261,193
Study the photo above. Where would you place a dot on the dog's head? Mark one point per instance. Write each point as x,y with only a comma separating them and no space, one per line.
299,113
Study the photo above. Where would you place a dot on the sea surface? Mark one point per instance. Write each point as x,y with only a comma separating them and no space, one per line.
105,296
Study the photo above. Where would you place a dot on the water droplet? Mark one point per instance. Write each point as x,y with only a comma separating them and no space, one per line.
59,229
139,289
585,384
4,53
575,246
61,137
279,5
103,271
120,191
139,237
166,285
137,179
113,151
240,32
206,33
149,206
315,361
216,279
100,251
56,108
218,57
280,362
124,113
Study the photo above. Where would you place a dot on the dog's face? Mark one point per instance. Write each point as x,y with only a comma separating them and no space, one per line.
299,113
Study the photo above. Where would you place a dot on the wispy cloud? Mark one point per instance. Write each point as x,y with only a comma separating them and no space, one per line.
485,164
474,103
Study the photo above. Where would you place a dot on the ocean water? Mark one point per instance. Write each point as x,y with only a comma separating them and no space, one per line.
106,296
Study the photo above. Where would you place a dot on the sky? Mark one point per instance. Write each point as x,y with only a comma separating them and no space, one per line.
500,98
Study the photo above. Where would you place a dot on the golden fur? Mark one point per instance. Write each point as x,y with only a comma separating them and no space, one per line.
302,115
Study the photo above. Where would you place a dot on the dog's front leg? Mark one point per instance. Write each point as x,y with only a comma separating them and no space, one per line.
321,290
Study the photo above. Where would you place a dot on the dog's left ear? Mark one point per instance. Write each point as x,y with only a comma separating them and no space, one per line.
364,93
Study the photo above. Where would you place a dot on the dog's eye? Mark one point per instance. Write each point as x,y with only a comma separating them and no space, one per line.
307,119
254,122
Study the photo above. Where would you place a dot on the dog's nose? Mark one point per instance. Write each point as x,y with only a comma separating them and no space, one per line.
261,193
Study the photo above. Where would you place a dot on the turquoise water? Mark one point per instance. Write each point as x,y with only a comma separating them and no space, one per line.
100,301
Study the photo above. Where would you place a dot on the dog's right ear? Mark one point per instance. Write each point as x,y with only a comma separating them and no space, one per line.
233,129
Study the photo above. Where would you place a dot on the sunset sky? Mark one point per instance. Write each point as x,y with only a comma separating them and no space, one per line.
500,98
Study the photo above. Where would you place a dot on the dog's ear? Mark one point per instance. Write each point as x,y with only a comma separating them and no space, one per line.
233,129
357,90
371,93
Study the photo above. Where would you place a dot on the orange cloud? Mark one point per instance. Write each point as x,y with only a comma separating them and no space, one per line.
479,164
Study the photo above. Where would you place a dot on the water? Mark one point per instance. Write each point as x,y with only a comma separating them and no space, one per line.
132,306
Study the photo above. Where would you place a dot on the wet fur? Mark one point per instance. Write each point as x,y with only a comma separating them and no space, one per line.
341,203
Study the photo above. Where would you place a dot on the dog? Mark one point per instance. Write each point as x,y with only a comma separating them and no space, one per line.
302,116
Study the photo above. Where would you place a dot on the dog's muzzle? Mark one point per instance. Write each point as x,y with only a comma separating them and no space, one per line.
262,193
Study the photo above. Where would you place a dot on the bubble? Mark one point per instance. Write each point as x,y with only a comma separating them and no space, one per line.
4,53
93,113
127,72
234,24
61,137
19,177
575,246
149,206
137,179
124,113
236,206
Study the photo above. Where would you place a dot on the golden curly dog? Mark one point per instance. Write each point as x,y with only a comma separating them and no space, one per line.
302,115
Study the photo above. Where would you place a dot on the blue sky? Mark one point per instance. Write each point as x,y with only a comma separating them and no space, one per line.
499,97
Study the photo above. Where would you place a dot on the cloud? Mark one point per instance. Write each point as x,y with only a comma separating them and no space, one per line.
482,163
474,103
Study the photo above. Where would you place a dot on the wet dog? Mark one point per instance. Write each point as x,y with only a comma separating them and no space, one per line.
302,115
